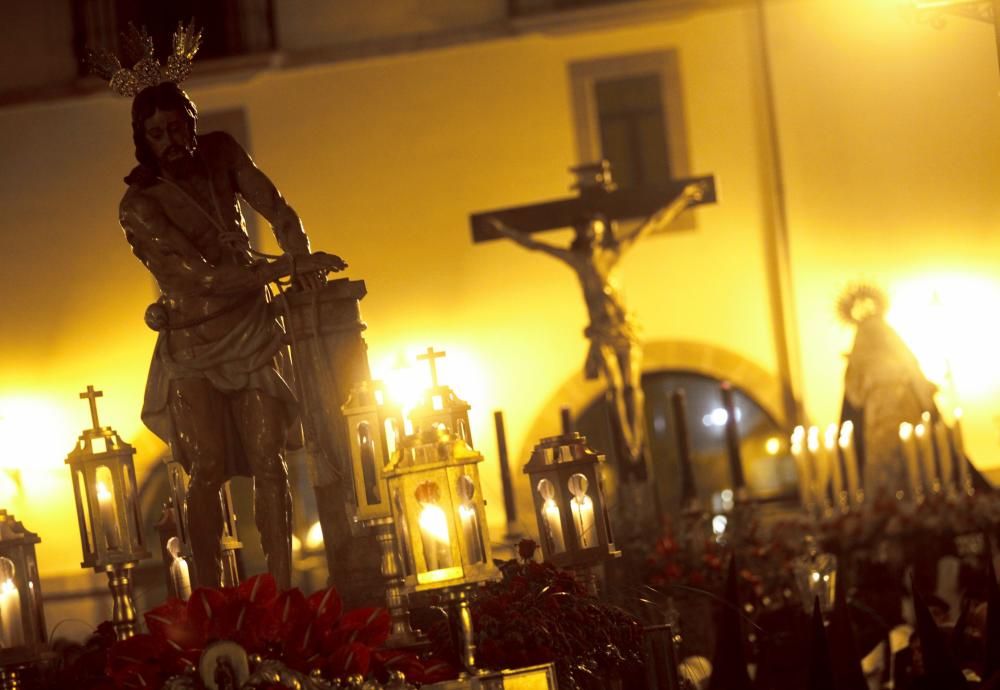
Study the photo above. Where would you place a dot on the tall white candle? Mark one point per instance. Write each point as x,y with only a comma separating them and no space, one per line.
964,475
802,466
180,575
553,524
435,536
926,448
106,510
836,469
470,532
583,520
818,466
10,615
912,465
944,451
846,443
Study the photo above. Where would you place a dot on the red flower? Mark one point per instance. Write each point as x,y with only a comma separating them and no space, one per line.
526,549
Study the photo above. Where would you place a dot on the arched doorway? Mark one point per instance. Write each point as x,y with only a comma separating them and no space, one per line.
769,469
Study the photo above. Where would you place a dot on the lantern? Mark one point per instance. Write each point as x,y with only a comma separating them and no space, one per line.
440,521
570,508
440,405
174,525
374,428
22,619
816,577
107,508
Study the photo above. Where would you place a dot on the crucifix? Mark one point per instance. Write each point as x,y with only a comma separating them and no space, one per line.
431,356
91,396
615,351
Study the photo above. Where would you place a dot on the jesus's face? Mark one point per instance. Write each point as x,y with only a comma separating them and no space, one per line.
170,139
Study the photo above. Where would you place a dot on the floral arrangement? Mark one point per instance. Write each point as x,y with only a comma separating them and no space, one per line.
290,637
538,614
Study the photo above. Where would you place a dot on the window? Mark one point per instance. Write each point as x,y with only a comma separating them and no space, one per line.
767,463
628,110
232,27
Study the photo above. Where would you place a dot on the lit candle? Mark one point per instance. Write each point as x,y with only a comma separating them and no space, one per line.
935,453
912,466
926,448
10,606
818,467
846,443
470,530
943,446
551,516
436,539
836,469
582,508
802,465
964,476
180,575
106,510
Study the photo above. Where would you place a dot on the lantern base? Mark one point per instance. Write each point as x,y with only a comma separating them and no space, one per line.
460,619
123,615
401,635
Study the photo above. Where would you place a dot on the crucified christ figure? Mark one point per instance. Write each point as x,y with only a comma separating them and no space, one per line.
615,350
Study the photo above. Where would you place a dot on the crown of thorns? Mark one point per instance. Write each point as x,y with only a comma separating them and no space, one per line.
144,69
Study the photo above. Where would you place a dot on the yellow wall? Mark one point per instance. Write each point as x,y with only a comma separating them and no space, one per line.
886,131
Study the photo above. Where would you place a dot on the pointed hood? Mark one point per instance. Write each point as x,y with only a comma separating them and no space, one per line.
991,663
941,670
820,664
729,665
843,647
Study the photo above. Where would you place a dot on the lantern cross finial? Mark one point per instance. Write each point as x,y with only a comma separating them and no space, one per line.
91,395
431,356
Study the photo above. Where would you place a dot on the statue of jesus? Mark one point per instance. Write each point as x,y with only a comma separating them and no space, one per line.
215,391
615,349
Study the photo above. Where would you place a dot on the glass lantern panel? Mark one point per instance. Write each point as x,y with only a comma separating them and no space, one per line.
33,601
391,434
131,507
106,525
404,534
81,489
11,625
550,520
435,532
369,471
582,509
463,430
468,520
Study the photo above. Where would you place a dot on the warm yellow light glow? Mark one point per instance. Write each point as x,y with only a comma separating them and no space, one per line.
772,445
813,440
434,523
35,433
296,544
946,320
830,437
905,431
314,537
919,430
103,493
407,379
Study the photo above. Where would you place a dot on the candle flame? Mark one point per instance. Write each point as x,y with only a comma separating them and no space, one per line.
919,430
813,439
103,493
434,522
830,436
905,431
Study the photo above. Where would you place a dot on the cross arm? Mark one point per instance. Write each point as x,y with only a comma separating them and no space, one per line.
618,204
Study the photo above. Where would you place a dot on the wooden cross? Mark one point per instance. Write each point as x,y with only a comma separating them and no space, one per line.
598,197
430,356
91,395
